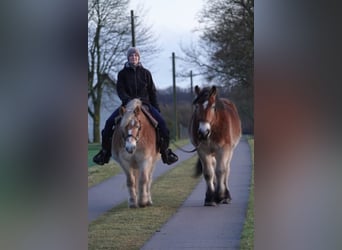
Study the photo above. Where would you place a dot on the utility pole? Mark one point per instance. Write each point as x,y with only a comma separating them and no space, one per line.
191,89
175,127
132,28
191,86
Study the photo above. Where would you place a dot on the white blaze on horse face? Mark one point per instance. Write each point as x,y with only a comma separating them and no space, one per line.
204,128
205,104
130,143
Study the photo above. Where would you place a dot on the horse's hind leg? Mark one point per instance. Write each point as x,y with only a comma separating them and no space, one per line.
209,176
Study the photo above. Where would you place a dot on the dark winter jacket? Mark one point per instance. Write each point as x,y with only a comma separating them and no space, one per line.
136,82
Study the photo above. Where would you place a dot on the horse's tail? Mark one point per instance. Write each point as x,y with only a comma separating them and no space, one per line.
198,169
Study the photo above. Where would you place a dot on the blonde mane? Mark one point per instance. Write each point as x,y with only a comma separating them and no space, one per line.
130,107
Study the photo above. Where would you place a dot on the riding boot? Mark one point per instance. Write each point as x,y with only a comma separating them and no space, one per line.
167,155
104,155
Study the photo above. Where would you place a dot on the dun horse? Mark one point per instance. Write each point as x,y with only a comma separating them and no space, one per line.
215,130
134,148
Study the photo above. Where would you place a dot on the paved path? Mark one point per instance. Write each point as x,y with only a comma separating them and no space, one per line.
197,227
113,191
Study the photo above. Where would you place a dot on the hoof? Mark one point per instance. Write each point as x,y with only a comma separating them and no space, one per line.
147,204
133,206
226,201
210,204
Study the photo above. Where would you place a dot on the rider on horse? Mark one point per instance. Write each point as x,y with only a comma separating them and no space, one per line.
134,81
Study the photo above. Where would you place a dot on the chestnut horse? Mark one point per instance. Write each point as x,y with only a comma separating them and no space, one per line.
134,148
215,130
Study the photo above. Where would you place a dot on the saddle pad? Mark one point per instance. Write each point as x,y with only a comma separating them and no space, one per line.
153,121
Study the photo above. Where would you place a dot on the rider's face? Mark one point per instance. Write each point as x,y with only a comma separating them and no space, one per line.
134,58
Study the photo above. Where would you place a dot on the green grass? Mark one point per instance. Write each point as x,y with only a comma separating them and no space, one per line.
93,149
124,228
247,237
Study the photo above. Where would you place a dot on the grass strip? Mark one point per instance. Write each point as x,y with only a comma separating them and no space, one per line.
93,149
98,174
124,228
247,237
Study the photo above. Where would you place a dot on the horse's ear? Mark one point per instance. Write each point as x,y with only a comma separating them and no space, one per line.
197,90
122,110
213,91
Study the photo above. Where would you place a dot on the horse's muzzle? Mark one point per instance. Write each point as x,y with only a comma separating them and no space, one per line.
130,149
204,131
203,135
130,146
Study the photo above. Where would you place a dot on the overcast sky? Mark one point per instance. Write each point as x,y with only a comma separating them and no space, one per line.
173,22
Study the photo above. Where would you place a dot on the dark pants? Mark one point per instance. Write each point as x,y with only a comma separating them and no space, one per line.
110,122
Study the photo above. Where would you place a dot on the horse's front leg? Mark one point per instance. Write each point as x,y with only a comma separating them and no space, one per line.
209,176
131,185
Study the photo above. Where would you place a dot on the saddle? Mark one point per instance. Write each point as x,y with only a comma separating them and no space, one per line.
146,111
153,122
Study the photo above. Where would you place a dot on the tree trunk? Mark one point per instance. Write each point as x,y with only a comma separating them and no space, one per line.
96,124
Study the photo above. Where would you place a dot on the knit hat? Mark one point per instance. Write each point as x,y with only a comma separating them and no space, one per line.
132,50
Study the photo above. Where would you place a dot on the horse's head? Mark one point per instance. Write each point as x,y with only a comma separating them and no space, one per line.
130,124
205,106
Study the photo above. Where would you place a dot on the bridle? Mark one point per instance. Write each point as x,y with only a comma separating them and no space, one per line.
136,137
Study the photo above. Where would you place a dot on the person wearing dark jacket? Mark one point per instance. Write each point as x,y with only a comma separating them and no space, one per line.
134,81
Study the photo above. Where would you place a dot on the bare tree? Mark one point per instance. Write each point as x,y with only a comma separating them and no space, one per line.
224,53
109,36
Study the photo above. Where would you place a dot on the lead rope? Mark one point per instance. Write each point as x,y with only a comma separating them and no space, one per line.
186,151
